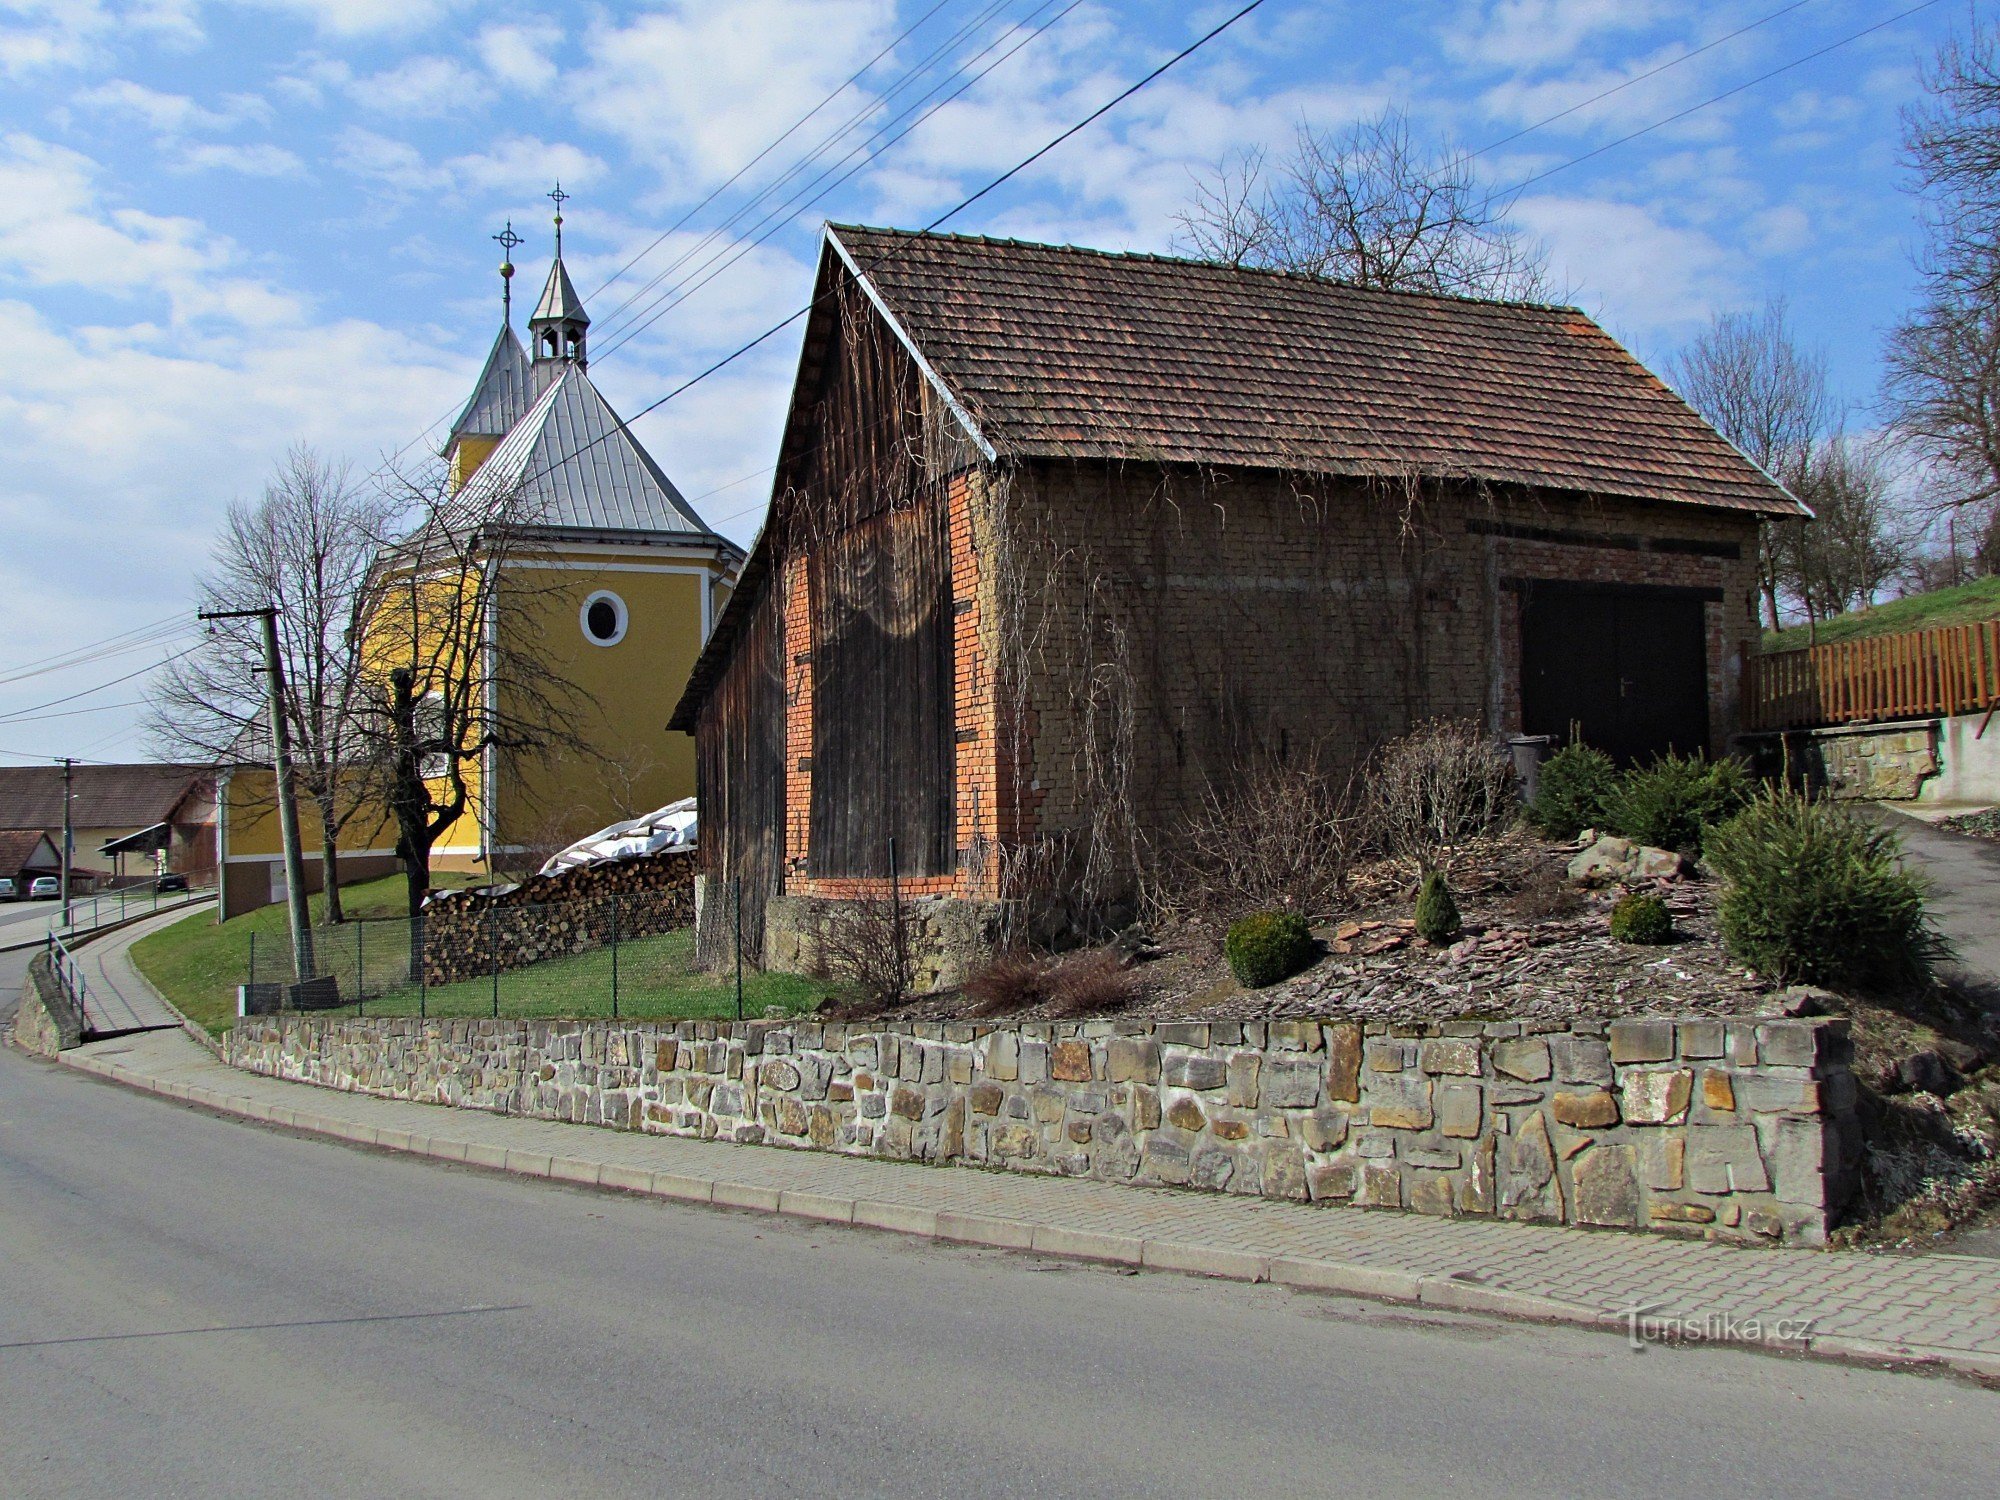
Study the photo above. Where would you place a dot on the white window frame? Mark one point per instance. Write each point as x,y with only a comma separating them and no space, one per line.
603,596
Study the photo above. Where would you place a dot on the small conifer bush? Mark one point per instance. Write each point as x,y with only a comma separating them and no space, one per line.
1675,801
1437,913
1814,894
1642,919
1268,946
1571,790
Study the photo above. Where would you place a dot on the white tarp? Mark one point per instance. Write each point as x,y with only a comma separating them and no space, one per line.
669,827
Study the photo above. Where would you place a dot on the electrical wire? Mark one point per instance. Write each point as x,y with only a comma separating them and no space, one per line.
71,713
137,639
25,713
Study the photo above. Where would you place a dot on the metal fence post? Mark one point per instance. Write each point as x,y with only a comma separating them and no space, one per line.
614,958
493,952
420,951
360,969
737,884
253,956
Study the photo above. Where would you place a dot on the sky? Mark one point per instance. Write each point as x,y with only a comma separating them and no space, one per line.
227,226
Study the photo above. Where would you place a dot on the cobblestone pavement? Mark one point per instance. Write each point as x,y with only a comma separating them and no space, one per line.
116,996
1937,1311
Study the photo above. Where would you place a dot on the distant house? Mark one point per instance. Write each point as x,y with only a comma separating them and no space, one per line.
26,853
136,808
1060,539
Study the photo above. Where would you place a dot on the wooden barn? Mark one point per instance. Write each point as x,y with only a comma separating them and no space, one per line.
1059,538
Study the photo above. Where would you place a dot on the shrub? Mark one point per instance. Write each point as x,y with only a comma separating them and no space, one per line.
1642,919
1440,784
1437,912
1012,981
1674,802
866,943
1813,894
1089,984
1268,946
1571,790
1277,835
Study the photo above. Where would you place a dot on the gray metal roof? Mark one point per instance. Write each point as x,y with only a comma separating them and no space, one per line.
560,302
571,463
503,395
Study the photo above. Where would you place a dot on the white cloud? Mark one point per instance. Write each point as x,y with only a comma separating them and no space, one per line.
522,55
40,35
421,88
263,160
1657,279
169,114
514,164
357,18
1538,33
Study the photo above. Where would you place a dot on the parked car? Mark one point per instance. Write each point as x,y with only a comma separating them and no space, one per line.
173,882
45,888
9,891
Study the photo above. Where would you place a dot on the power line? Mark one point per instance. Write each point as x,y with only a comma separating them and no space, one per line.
951,213
788,133
620,334
25,713
1729,93
71,713
1637,78
136,639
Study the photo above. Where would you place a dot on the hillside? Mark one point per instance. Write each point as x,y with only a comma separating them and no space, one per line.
1953,606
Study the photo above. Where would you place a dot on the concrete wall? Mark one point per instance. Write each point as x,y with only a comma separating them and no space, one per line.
1940,761
1741,1129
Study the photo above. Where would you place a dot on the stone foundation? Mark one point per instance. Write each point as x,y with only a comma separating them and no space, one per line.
949,937
1742,1130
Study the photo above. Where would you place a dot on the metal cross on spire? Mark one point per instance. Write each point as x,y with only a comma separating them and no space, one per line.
508,240
559,198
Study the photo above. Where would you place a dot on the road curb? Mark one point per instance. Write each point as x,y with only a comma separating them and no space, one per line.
1367,1282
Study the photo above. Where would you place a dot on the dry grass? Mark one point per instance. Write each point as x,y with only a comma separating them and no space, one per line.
1092,984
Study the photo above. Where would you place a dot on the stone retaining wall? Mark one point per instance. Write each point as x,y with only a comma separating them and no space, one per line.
45,1023
1742,1129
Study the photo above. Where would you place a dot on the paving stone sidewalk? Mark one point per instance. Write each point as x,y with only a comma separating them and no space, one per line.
1938,1311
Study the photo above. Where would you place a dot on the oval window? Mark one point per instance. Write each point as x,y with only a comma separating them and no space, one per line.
603,618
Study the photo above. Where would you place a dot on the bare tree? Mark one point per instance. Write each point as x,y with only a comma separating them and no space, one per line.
1858,540
459,670
1373,206
1942,382
303,547
1760,389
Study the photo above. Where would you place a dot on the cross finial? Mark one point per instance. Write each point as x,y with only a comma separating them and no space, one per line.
559,198
508,240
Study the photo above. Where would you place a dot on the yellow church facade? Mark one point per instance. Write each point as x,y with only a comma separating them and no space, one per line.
609,567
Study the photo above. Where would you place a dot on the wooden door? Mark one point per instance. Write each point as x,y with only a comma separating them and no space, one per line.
1627,665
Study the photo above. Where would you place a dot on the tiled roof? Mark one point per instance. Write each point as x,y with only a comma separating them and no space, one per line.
570,463
1056,352
130,796
26,849
503,395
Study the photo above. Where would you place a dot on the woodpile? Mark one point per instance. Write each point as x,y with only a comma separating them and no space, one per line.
470,934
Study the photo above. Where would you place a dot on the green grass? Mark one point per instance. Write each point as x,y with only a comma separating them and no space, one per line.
198,963
1954,606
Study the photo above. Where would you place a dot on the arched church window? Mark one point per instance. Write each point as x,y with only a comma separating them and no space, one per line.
603,618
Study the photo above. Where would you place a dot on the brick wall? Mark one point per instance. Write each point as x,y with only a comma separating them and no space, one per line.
1741,1129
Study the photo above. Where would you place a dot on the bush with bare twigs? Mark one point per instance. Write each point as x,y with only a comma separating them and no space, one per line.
1279,837
1441,784
1010,982
1091,984
866,944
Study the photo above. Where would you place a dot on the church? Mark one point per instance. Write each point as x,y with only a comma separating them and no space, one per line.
625,581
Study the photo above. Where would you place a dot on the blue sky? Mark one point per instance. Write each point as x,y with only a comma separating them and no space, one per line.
228,225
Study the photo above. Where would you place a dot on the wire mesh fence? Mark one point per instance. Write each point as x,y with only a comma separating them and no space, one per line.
627,956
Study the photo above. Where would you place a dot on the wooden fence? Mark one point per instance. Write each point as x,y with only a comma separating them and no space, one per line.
1953,669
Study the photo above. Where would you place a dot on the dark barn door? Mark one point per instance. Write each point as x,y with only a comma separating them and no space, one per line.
1629,664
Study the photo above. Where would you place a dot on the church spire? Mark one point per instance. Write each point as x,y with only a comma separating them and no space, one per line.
559,326
508,240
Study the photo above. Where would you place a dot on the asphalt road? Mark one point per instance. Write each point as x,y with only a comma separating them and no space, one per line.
194,1306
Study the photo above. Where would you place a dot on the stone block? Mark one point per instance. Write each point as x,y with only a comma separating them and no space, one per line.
1211,1168
1326,1131
1431,1193
1186,1114
1380,1187
985,1098
1594,1110
1343,1060
1400,1102
1525,1173
907,1103
1701,1039
1525,1058
1458,1108
1434,1158
1680,1213
1581,1059
1475,1192
778,1074
1334,1179
1049,1104
1385,1056
1145,1109
1163,1161
1284,1170
1069,1062
1033,1065
1458,1055
1003,1057
1229,1128
1182,1033
1718,1093
1663,1162
1022,1143
1242,1071
1799,1158
1192,1070
1295,1036
1641,1041
791,1116
1291,1084
1131,1060
1658,1096
1607,1192
1788,1044
1725,1159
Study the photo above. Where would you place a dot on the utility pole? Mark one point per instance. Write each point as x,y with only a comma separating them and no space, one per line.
69,835
281,763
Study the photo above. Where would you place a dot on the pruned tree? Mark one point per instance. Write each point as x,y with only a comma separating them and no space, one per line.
1372,205
1941,385
458,670
304,547
1768,395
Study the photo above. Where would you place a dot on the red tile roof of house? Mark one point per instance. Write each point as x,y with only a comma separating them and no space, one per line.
128,796
1057,352
18,848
